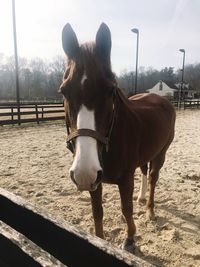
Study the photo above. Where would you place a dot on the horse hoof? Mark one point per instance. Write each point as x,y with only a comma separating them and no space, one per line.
150,215
129,246
141,201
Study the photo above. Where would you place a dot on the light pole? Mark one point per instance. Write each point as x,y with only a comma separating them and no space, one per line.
16,61
136,65
182,78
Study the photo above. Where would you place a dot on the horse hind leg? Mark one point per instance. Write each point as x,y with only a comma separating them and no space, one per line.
143,186
155,166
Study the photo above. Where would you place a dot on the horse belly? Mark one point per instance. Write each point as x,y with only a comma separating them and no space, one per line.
155,139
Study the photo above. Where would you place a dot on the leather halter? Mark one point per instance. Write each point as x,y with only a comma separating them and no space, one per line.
104,140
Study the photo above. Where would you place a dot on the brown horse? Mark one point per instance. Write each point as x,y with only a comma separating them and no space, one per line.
109,134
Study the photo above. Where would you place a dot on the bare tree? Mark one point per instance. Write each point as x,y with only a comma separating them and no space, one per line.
40,79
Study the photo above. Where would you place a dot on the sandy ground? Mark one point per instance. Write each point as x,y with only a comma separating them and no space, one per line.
34,164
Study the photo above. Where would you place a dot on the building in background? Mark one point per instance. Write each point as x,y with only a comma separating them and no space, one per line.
164,89
187,91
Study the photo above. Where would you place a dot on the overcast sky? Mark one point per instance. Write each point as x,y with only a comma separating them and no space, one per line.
165,26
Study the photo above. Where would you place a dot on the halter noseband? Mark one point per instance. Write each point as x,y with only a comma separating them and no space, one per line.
88,132
104,140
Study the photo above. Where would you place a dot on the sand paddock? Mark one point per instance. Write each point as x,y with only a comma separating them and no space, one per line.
34,164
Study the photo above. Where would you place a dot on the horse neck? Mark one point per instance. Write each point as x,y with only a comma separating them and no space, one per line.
127,118
125,125
122,104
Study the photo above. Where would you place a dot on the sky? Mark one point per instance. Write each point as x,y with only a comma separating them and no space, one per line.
164,26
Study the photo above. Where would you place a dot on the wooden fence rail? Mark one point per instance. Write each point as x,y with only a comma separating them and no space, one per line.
31,112
48,111
190,103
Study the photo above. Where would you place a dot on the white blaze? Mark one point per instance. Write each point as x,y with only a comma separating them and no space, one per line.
86,161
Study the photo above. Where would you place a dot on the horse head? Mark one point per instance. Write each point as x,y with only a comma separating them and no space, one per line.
88,87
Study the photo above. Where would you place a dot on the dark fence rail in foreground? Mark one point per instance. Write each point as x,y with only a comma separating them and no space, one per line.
66,243
31,112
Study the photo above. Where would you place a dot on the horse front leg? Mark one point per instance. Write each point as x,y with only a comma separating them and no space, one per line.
126,194
97,210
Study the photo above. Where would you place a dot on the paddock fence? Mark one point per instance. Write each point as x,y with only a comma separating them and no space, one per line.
186,103
31,112
65,243
51,111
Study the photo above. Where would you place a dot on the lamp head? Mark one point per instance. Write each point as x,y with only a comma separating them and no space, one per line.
135,30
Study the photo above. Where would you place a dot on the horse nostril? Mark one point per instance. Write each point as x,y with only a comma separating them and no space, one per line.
99,177
98,180
72,177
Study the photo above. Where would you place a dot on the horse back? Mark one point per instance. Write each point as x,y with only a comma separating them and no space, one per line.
144,127
156,119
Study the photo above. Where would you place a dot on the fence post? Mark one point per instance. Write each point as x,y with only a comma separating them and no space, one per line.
12,116
36,113
42,112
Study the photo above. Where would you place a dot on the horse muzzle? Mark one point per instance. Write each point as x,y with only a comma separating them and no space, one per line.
86,186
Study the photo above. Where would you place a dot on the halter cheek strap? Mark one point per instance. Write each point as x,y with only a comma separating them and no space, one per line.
88,132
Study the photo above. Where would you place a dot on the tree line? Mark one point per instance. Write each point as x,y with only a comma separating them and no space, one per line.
148,77
40,79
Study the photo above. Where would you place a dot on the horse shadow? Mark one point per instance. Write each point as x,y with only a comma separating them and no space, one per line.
154,260
184,216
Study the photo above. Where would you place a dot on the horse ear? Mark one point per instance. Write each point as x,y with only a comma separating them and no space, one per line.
69,42
103,42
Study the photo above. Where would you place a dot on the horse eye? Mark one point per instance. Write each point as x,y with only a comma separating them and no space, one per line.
111,91
65,87
61,88
65,91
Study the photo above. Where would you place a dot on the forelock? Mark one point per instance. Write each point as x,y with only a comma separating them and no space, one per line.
93,64
88,56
